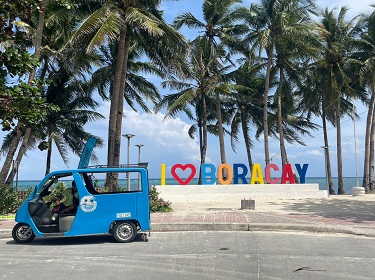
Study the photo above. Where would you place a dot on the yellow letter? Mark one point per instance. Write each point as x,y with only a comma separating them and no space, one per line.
162,174
256,175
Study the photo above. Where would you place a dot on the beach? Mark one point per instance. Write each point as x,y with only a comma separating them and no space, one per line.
333,204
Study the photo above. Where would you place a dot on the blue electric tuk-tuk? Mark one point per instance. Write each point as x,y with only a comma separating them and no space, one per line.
121,210
108,200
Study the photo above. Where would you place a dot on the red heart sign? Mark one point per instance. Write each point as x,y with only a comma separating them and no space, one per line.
183,167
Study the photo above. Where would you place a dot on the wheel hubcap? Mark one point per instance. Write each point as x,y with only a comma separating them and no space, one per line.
125,231
24,232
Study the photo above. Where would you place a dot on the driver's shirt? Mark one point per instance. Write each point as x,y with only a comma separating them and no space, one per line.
67,193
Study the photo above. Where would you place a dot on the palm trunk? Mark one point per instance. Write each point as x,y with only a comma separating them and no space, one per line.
204,134
49,156
245,132
9,158
371,156
366,164
120,104
280,118
113,109
221,134
200,132
331,189
341,189
14,144
21,153
115,98
265,105
284,156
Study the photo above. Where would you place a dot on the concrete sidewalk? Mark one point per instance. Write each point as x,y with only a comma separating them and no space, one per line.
346,215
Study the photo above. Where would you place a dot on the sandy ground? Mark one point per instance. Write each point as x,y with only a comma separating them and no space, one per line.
336,203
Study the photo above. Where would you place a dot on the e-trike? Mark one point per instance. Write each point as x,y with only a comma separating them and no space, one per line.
111,200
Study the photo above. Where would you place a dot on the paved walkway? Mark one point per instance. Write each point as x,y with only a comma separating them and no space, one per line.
347,216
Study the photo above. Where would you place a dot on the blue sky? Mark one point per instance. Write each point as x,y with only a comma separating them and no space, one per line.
168,142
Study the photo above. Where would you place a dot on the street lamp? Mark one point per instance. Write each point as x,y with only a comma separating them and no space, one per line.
326,167
127,174
139,161
139,151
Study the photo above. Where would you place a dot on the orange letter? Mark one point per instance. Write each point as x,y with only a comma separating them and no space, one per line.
220,174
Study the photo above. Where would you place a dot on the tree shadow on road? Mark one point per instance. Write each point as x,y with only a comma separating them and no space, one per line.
355,211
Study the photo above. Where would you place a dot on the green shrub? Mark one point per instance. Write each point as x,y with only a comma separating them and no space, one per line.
9,201
158,204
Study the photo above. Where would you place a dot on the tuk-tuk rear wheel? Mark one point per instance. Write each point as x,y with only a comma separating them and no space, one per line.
124,231
22,233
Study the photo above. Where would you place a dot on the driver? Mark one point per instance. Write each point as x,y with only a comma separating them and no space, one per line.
70,203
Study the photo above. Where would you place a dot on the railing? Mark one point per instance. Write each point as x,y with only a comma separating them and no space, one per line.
141,164
22,195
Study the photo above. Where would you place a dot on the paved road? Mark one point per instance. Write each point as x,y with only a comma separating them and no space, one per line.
192,255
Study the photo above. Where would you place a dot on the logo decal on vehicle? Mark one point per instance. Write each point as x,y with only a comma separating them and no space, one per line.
88,203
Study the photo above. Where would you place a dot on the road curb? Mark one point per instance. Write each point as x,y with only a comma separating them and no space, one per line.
5,233
164,227
160,227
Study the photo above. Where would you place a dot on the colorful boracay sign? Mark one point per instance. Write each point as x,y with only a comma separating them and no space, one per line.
236,173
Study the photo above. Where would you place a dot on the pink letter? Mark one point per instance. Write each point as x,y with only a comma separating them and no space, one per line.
268,174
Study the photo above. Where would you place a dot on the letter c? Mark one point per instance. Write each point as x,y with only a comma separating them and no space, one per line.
268,174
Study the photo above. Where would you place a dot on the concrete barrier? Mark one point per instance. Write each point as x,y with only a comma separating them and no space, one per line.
185,193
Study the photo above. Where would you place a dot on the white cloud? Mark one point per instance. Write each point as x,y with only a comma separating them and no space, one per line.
355,8
164,141
315,153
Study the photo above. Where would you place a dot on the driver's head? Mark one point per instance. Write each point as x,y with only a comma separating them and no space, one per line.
74,187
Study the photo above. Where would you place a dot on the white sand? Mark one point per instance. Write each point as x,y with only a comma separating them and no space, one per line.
337,203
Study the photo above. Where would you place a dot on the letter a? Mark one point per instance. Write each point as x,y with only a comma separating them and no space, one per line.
287,174
256,174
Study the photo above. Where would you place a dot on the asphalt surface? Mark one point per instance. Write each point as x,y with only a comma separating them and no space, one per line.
326,216
192,255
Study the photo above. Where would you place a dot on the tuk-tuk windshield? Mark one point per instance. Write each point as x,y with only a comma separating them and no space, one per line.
52,182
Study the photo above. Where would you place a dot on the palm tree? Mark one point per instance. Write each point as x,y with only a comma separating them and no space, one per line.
274,24
246,106
203,78
137,89
366,53
338,66
313,101
66,127
220,17
122,22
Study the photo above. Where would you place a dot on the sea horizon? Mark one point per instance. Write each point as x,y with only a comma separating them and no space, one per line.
349,183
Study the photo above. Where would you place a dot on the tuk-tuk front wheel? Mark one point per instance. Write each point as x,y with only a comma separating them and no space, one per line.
124,231
22,233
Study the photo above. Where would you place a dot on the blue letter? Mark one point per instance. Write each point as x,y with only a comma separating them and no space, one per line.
210,174
302,172
241,176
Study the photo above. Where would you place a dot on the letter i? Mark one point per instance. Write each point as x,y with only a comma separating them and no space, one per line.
162,174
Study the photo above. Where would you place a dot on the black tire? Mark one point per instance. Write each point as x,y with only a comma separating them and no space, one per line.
124,232
22,233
